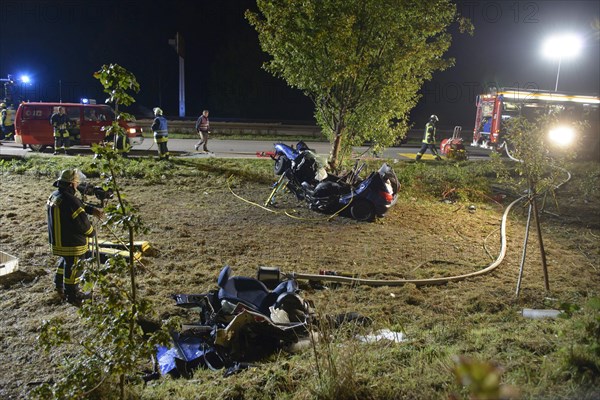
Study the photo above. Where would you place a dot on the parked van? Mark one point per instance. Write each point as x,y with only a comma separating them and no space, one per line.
33,128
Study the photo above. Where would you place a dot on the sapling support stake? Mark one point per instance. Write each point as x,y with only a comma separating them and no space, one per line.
524,247
536,216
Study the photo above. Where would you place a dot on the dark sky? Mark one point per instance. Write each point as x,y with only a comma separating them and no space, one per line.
61,43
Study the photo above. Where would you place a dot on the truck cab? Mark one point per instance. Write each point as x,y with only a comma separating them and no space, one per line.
33,128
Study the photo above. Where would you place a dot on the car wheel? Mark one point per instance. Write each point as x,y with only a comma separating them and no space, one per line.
282,163
37,147
362,210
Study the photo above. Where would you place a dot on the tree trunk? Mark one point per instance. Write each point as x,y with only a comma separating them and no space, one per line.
335,148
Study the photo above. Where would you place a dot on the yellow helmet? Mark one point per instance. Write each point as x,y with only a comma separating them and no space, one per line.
69,176
157,111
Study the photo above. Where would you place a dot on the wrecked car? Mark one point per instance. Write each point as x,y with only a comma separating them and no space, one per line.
302,172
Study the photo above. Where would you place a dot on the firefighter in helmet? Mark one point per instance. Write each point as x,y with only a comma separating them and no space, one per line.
69,230
429,139
161,134
7,121
60,121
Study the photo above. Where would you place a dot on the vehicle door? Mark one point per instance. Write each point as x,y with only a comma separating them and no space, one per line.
91,125
33,124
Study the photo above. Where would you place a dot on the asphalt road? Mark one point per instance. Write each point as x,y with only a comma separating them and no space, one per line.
233,149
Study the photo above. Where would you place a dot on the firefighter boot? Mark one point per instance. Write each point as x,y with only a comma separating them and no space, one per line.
58,286
418,158
74,296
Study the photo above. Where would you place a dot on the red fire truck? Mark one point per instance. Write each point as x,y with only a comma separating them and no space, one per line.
494,108
33,128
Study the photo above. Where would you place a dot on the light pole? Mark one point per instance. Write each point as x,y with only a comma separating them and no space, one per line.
559,47
179,46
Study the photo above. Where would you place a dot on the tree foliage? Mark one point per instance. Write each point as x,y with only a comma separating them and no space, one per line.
361,62
118,83
541,161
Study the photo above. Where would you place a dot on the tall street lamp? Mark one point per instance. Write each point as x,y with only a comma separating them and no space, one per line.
559,47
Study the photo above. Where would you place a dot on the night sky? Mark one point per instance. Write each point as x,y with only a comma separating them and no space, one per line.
61,43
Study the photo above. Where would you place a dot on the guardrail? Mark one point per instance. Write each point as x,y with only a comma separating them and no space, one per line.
242,128
224,128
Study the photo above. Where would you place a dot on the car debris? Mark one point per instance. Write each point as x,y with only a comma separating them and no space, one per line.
242,321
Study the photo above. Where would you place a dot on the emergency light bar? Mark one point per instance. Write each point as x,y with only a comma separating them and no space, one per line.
527,95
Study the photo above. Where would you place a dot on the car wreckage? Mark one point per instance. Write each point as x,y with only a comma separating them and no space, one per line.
302,172
242,321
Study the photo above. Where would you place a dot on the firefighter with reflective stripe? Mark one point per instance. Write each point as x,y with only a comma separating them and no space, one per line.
429,139
7,121
161,134
69,230
60,121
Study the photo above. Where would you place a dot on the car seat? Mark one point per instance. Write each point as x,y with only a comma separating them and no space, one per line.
251,292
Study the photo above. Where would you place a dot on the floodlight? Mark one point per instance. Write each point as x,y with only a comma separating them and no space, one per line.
561,136
562,46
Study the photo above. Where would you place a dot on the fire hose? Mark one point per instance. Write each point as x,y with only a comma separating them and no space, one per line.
429,281
417,282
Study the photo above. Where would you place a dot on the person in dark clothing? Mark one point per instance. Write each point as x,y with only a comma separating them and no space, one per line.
60,121
161,134
203,129
429,139
69,230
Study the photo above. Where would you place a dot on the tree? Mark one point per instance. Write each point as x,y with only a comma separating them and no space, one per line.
117,83
539,166
361,62
112,345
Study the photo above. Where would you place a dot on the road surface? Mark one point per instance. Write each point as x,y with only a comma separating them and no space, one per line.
233,149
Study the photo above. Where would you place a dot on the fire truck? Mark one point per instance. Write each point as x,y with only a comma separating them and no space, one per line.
496,107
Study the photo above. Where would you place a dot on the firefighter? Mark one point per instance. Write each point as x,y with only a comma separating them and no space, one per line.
161,134
69,230
60,121
429,139
7,121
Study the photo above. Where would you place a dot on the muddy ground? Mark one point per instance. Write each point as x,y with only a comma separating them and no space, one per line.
198,225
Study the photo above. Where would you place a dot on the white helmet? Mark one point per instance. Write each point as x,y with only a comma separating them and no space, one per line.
157,111
434,118
69,176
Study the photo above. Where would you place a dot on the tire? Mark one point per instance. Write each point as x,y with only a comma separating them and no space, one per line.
282,163
362,210
38,147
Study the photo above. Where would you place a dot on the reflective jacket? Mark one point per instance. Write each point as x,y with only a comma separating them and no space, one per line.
7,117
429,136
59,122
159,126
202,124
69,228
